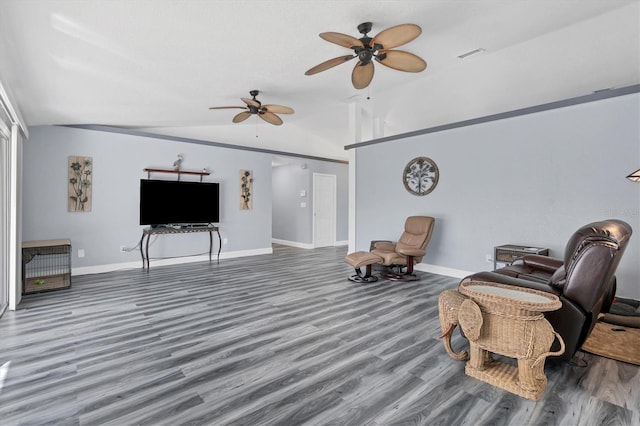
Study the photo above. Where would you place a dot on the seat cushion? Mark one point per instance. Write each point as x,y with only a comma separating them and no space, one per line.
362,258
525,273
390,257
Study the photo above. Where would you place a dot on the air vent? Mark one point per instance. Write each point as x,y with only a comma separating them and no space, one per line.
471,52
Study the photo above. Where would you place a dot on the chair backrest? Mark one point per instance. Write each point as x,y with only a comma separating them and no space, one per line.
591,257
417,233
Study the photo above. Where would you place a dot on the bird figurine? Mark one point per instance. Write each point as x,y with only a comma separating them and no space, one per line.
177,163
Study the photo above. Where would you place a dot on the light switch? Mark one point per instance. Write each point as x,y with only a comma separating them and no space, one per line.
303,193
303,204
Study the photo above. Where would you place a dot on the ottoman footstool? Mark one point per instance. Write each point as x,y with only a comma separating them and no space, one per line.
359,259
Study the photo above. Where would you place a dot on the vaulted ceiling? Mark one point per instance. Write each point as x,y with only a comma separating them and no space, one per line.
158,65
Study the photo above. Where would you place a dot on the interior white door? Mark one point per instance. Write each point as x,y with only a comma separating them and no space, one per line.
324,210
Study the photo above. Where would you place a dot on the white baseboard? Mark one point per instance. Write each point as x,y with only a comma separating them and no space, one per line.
441,270
304,245
97,269
292,244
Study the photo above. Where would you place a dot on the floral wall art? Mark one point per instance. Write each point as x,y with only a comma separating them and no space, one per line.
80,182
246,189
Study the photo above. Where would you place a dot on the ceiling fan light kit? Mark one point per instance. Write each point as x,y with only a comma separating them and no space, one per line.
253,106
379,48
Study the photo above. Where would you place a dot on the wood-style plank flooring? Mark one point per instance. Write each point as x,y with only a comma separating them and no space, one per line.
281,339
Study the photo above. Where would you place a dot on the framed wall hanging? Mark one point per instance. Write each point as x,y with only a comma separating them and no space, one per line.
420,176
246,189
80,182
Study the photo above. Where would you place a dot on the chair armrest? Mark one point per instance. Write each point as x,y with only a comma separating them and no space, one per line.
543,263
385,246
413,252
494,277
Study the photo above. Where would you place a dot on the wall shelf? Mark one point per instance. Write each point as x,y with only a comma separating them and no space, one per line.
175,172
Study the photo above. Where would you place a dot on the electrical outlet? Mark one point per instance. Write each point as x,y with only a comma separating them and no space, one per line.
80,252
225,241
488,258
123,249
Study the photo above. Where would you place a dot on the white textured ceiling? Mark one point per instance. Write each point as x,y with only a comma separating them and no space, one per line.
158,65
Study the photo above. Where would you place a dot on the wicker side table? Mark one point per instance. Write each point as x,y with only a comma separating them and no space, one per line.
509,322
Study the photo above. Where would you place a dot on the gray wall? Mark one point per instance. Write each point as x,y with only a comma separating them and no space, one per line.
290,221
294,223
530,180
119,160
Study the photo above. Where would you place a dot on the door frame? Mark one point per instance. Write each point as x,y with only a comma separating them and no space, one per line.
5,204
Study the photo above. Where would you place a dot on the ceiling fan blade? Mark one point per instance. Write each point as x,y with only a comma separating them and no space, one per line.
251,102
241,117
270,117
341,39
397,36
329,64
278,109
402,61
362,75
228,107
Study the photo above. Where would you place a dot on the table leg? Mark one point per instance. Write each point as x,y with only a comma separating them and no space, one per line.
147,250
219,244
141,251
210,244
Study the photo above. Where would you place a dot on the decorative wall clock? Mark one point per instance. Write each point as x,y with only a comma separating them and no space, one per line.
420,176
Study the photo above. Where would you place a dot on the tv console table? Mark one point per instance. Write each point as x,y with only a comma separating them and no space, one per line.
148,232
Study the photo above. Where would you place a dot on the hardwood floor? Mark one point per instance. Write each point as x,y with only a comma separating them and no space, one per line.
282,339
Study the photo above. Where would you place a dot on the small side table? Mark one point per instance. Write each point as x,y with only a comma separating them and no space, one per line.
508,253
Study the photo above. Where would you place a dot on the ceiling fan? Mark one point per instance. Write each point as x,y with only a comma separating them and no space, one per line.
254,106
366,48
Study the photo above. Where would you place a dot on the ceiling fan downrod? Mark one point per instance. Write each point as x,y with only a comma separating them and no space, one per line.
252,108
254,93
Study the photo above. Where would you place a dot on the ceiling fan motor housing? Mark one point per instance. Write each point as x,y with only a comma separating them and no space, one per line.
369,51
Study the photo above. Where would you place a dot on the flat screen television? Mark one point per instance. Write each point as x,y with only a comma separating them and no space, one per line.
165,202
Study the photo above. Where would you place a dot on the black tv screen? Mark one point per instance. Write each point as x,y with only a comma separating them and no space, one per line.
164,202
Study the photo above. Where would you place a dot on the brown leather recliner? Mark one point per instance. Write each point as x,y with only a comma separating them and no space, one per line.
409,250
584,280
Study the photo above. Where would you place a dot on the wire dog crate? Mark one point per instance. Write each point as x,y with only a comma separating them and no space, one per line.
46,265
